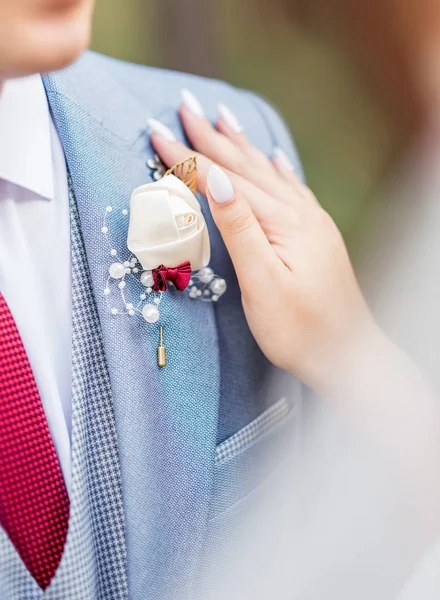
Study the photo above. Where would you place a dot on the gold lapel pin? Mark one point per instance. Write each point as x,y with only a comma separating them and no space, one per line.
161,351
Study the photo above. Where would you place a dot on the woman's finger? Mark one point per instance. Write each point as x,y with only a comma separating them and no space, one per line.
229,126
248,246
242,159
266,209
287,171
203,137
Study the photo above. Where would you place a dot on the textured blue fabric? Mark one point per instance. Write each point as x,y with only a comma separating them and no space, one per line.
93,565
217,381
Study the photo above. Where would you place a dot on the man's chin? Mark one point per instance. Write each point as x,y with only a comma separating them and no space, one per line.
46,46
58,51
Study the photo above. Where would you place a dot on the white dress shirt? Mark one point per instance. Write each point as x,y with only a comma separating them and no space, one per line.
35,265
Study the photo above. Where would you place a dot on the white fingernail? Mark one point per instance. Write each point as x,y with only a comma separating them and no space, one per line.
220,185
281,160
192,103
231,120
161,129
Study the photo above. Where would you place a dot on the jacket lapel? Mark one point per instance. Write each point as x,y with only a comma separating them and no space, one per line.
166,420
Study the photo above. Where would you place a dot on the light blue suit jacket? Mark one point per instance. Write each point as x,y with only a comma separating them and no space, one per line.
187,434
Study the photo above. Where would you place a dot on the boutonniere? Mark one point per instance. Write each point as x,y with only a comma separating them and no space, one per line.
169,247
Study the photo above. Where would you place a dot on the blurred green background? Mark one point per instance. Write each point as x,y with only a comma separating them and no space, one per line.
344,138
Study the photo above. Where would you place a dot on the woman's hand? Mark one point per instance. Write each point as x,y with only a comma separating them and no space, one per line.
300,296
303,303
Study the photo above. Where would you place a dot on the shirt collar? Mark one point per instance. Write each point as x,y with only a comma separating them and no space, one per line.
25,141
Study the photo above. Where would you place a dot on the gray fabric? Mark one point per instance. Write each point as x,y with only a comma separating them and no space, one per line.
93,565
168,422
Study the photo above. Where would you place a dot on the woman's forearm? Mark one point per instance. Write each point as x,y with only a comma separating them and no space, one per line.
383,394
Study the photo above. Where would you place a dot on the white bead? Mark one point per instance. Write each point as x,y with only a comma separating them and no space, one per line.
206,275
114,311
116,270
147,279
151,314
126,263
206,293
106,292
129,306
133,262
128,271
149,290
121,285
143,296
194,289
104,230
109,209
218,287
113,252
125,212
131,312
214,298
135,270
156,301
190,282
198,293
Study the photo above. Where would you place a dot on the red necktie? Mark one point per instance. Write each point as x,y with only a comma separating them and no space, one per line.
34,505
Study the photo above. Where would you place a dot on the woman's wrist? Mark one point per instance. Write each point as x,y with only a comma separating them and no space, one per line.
351,361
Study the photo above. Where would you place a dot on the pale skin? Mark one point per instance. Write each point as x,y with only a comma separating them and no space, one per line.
37,36
319,327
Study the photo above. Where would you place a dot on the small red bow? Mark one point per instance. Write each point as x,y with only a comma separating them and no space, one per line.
180,276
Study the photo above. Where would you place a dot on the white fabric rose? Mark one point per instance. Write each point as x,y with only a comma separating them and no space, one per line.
167,226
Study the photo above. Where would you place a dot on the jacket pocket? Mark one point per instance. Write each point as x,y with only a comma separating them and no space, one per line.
245,460
249,435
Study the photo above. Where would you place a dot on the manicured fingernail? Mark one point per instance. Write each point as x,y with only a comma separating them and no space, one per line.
231,120
161,129
281,160
220,185
192,103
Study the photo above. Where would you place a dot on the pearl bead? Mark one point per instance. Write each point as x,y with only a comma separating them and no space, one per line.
128,270
218,287
131,312
133,262
151,313
117,270
214,298
125,212
147,279
113,252
114,311
129,306
156,301
121,285
198,293
126,264
109,209
135,270
106,292
193,292
143,296
104,229
149,290
206,275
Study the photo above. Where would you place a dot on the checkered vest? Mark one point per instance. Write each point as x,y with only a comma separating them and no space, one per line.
93,566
